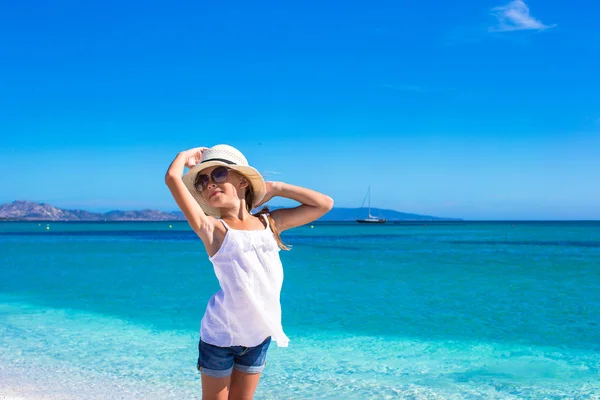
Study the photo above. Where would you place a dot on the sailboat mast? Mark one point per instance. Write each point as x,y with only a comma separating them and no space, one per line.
370,218
369,201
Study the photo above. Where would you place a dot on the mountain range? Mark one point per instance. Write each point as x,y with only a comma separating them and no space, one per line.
22,210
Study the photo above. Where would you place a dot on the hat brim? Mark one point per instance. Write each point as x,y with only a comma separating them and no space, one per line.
254,177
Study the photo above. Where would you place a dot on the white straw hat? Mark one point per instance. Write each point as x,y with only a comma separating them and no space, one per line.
229,157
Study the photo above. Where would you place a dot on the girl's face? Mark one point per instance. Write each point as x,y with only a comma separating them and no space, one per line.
220,186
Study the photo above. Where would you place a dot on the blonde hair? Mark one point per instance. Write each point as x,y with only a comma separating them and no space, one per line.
249,197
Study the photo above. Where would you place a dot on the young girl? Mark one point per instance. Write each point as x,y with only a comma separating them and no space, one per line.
216,197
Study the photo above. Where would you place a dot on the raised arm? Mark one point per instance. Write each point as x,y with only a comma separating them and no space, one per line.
314,205
198,220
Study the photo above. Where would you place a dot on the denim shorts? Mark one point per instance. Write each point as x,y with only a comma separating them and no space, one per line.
219,361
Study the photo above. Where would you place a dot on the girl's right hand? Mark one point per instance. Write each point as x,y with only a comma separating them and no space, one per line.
193,156
272,190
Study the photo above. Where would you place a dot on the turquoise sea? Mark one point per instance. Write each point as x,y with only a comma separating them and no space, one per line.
462,310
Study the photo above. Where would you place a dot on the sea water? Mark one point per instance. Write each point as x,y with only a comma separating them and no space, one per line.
461,310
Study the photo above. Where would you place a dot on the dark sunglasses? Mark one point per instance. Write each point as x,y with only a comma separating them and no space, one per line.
218,175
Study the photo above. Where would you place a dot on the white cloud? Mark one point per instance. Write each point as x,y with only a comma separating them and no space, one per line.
269,173
515,17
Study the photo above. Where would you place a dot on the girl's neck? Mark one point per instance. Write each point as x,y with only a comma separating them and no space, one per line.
239,214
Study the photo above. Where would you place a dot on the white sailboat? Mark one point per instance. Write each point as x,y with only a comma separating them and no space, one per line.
371,219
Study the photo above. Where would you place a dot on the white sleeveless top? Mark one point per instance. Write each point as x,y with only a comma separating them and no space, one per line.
247,309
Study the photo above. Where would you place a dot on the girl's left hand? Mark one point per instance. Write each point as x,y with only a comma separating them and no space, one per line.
272,188
193,156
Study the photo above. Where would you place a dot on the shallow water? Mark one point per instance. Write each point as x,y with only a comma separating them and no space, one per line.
450,310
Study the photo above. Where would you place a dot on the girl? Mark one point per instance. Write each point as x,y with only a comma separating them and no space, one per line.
216,197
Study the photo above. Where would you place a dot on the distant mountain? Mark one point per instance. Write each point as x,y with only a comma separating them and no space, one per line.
352,214
32,211
340,214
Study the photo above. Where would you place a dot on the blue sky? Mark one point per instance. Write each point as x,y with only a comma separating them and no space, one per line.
472,109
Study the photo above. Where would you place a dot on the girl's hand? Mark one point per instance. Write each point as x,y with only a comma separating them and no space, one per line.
193,156
272,191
